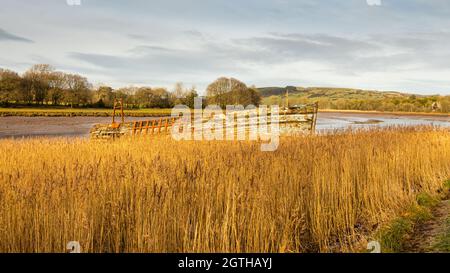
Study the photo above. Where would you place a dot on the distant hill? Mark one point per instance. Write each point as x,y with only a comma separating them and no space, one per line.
330,93
356,99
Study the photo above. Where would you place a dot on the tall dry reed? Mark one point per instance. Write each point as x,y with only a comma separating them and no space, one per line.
315,193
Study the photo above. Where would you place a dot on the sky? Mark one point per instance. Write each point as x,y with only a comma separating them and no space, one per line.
398,45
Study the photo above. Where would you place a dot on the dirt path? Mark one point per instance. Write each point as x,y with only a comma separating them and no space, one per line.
433,235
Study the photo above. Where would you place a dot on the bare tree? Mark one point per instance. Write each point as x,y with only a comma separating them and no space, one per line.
38,81
104,96
10,83
57,85
228,91
77,91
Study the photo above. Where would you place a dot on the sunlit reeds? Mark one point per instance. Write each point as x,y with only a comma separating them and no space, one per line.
315,193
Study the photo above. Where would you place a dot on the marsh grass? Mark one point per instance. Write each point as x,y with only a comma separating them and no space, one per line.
315,193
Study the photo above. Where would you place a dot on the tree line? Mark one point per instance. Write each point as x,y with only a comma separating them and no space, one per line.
42,85
413,103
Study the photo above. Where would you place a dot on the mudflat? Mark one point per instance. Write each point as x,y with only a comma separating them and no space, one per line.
52,126
19,126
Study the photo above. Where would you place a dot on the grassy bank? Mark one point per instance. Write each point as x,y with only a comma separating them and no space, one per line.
72,112
443,244
395,235
415,230
315,193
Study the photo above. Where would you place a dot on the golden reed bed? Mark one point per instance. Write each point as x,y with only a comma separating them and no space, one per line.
315,193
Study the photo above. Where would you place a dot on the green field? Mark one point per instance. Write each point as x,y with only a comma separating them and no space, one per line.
72,112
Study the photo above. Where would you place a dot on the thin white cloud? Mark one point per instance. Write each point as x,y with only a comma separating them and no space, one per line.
6,36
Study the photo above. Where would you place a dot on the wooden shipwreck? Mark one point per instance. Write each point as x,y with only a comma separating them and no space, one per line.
296,119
